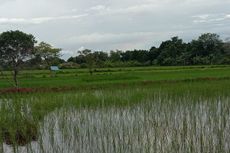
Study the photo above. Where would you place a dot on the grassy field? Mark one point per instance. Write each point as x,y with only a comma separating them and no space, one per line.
80,78
152,109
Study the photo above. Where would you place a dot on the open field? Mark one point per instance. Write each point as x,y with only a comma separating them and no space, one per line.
80,78
153,109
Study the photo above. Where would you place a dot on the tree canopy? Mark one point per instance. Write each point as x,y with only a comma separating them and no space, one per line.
206,49
17,50
89,58
47,52
16,47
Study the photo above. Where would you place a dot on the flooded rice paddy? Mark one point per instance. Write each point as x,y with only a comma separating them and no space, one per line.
162,125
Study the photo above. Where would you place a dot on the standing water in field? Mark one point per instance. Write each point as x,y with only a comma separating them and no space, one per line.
163,126
17,128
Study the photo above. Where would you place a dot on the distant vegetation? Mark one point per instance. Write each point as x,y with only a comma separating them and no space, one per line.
208,49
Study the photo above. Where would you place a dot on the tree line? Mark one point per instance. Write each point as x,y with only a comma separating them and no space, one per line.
207,49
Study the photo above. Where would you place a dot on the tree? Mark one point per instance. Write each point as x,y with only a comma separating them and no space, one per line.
209,47
153,55
16,47
140,56
36,60
100,57
170,51
210,43
115,56
227,47
47,52
226,58
89,58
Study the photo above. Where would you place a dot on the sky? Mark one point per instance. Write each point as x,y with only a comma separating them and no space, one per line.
107,25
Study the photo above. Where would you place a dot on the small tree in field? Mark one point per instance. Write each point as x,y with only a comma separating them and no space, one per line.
47,52
89,58
16,47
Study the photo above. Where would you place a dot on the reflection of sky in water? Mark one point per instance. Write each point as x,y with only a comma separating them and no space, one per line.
138,129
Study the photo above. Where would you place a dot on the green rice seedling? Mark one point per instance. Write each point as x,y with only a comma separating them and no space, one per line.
178,117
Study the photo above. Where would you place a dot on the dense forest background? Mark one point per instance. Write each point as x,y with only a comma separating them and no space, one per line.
207,49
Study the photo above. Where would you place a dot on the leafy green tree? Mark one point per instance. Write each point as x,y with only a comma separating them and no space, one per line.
89,58
140,55
226,58
100,58
33,63
16,47
47,52
208,47
56,61
115,56
170,51
126,56
36,60
153,55
72,59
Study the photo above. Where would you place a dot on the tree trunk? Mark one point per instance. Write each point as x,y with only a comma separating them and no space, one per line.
15,77
47,62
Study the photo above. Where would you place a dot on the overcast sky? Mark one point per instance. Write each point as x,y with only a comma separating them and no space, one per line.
114,24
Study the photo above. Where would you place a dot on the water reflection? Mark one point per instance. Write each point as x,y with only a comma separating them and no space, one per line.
18,127
21,135
153,128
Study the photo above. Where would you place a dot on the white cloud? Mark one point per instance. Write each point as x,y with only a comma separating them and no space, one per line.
209,18
12,20
98,8
81,48
135,40
109,37
202,17
73,53
133,9
38,20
